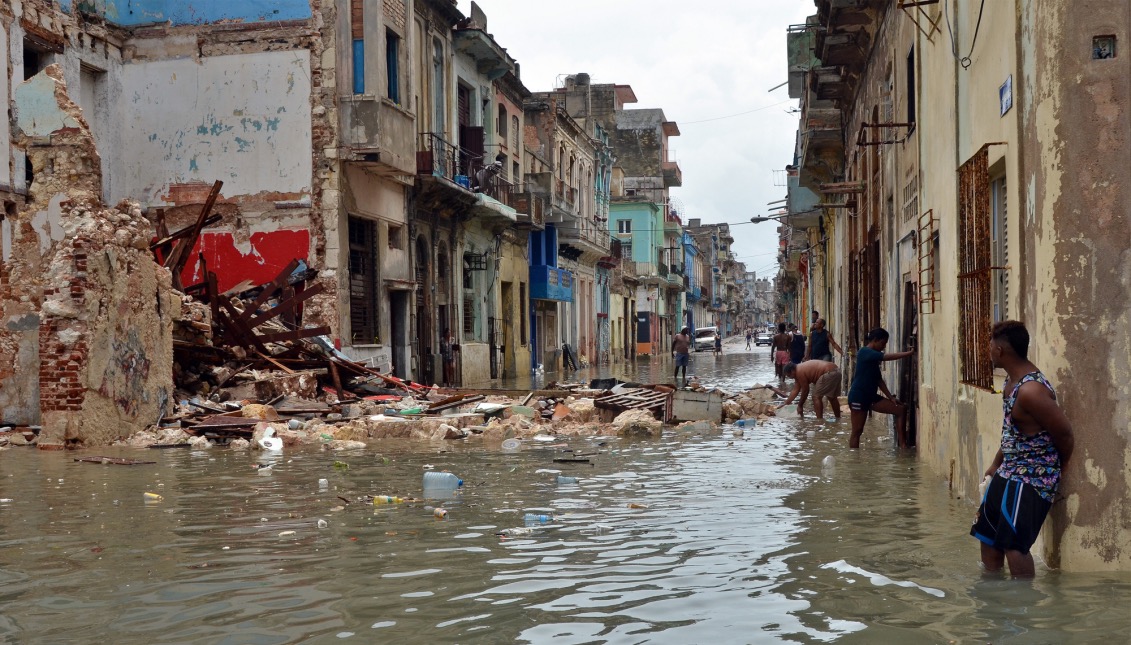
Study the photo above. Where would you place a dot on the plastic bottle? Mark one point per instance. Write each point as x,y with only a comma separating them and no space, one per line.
535,517
152,497
515,532
562,480
441,481
984,486
323,484
440,513
740,423
387,499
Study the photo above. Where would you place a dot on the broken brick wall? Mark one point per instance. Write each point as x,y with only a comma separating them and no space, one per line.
88,313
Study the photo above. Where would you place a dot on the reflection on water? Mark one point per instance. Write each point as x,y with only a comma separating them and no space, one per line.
690,539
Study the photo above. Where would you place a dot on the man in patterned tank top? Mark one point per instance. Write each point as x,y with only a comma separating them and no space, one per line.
1036,444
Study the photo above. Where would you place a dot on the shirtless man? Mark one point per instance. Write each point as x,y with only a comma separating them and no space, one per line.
780,348
681,346
822,378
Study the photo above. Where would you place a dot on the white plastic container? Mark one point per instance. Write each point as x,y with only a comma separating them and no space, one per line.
270,442
438,485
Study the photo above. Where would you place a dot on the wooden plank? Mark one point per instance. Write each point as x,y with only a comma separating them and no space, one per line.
169,238
117,461
337,378
440,407
285,307
269,289
276,363
294,334
176,260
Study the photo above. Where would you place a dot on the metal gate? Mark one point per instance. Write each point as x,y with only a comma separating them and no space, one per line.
492,347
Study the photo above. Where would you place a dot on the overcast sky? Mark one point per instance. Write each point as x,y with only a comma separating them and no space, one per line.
696,60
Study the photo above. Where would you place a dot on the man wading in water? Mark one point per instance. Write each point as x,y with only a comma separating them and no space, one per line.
781,351
819,343
1036,443
681,344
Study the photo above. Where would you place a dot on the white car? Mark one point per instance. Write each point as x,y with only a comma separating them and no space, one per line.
763,338
705,339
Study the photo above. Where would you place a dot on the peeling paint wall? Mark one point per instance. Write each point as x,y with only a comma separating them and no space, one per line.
190,12
238,118
1076,124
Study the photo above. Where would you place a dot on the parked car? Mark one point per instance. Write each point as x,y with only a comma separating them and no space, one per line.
705,339
763,338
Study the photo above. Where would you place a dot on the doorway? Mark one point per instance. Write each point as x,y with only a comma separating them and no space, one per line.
508,329
398,330
909,378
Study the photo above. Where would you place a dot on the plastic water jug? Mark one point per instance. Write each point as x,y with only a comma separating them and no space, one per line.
439,485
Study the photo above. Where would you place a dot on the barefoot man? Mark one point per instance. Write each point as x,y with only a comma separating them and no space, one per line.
1036,443
862,396
781,351
820,377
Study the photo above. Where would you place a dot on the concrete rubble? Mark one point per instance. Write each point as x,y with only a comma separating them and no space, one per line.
103,344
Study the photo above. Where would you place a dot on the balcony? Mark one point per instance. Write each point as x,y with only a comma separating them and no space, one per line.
491,60
550,283
694,293
672,223
443,171
613,259
530,207
378,134
565,200
673,176
584,239
675,277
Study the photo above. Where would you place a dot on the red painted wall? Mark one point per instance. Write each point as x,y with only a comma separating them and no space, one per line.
269,254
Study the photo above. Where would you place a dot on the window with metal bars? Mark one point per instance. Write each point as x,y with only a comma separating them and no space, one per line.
469,315
363,281
975,270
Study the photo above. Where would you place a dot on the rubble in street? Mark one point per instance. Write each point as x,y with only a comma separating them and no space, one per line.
119,350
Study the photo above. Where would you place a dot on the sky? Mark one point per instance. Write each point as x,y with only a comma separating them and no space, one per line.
698,61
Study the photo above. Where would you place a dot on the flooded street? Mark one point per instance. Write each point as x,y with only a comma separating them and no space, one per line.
694,538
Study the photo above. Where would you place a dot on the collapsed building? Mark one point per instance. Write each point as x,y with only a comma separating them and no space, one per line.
87,348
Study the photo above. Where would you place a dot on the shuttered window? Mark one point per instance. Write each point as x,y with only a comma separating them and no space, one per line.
363,281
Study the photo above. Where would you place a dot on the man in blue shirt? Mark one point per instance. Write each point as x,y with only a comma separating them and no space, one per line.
863,396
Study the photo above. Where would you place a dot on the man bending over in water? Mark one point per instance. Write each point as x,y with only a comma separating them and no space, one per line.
822,378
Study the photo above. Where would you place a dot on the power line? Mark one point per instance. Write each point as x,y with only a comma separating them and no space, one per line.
731,116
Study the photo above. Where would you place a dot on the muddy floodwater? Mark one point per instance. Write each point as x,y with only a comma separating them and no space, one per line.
695,538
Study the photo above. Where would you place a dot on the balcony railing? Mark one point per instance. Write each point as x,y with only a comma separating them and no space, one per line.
550,283
438,157
662,269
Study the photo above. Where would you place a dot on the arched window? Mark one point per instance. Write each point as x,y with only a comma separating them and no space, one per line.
517,128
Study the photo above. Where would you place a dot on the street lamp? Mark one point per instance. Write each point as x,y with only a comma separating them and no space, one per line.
758,219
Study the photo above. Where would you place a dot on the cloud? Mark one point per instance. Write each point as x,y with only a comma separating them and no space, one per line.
695,60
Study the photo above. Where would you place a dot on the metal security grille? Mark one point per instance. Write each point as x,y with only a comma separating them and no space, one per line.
975,277
363,280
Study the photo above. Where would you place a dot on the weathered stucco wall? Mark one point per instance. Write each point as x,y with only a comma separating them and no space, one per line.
1078,213
237,118
184,12
87,313
5,132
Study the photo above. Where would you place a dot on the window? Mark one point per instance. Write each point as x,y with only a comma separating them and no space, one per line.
363,281
516,130
523,313
501,123
392,66
438,96
357,32
516,173
911,85
975,270
469,315
624,226
999,231
396,237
